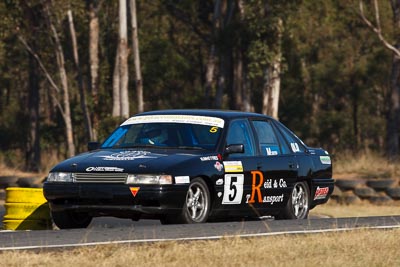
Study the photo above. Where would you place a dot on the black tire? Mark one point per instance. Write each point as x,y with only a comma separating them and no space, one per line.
349,198
33,182
380,200
196,207
381,185
392,192
70,220
345,185
365,192
298,204
8,181
2,194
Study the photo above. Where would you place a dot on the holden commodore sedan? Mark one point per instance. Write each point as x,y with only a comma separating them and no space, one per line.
191,166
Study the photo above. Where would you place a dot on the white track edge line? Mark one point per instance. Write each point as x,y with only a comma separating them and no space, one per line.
198,238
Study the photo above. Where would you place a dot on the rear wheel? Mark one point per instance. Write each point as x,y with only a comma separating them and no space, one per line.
298,204
70,220
196,207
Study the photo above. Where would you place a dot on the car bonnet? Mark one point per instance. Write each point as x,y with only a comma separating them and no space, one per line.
131,161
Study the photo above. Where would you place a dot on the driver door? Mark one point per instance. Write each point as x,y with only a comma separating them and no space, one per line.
238,167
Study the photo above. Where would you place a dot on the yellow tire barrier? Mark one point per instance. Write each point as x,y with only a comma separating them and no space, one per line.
31,211
25,195
27,224
26,209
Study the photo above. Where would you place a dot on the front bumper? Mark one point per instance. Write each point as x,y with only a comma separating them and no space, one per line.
115,199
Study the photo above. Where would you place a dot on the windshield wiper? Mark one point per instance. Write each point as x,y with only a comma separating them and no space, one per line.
158,146
135,146
191,147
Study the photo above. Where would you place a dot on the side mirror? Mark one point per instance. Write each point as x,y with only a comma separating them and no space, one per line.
93,146
234,148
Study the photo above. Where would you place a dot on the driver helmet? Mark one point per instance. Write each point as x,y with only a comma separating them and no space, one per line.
155,135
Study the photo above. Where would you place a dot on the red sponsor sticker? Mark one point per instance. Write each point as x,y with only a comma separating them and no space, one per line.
218,166
134,190
321,193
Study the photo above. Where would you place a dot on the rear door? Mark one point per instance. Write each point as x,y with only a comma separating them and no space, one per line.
276,168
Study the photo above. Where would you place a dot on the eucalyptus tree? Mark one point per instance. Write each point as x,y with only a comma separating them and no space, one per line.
121,75
393,96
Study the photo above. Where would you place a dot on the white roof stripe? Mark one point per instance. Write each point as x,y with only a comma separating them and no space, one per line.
191,119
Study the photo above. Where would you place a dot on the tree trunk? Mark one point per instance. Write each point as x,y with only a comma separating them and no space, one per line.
221,83
238,74
135,48
238,81
393,98
392,137
82,93
64,85
225,77
274,87
223,15
393,102
33,151
123,58
94,62
116,111
210,69
312,96
355,100
273,80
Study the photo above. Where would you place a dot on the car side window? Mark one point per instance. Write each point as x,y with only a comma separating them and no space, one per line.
268,141
296,145
239,132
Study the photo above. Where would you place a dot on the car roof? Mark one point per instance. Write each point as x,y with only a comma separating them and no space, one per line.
223,114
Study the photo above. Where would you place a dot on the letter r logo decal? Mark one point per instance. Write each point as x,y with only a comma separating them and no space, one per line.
256,187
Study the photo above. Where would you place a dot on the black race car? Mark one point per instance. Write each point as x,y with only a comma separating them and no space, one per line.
190,166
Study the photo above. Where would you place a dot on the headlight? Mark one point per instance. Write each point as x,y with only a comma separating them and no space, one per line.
148,179
60,177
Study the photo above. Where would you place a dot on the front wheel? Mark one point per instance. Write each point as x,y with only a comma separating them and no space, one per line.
196,207
298,204
70,220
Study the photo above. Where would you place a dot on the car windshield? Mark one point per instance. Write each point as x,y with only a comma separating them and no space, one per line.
185,132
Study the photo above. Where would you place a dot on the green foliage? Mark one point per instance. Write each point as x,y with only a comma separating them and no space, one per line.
343,70
333,85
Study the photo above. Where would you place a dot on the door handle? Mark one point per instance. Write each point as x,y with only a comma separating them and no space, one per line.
293,165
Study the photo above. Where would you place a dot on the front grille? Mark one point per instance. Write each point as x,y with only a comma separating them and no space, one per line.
100,177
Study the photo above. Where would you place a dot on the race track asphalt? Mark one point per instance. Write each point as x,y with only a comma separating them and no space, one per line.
124,231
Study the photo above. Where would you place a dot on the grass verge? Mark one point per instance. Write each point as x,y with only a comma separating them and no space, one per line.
363,209
365,165
356,248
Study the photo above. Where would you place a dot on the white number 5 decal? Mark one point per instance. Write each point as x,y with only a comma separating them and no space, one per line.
233,189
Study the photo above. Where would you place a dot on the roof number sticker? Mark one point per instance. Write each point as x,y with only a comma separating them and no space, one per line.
295,147
214,129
